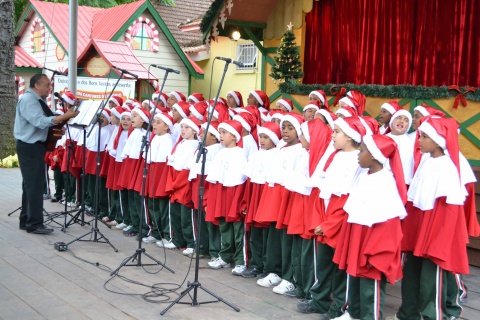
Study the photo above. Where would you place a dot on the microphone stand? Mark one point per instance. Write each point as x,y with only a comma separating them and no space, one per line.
137,255
195,285
66,212
98,121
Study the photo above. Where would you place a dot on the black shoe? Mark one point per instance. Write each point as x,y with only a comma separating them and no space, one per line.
55,200
41,230
251,273
295,293
303,306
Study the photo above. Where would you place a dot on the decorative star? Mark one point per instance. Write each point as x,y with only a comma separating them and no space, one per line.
290,26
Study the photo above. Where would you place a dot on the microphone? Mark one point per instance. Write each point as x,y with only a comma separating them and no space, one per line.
166,69
56,94
56,72
126,72
228,60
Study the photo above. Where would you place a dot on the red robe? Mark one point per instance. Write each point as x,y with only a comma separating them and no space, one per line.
178,186
269,205
333,220
369,252
251,200
442,237
224,202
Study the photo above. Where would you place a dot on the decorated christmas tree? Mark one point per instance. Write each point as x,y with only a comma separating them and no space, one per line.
287,62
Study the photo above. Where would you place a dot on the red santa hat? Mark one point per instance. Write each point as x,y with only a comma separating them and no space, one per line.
117,112
444,132
287,103
183,108
69,97
322,96
143,113
220,112
328,115
371,123
178,95
312,105
352,127
107,113
347,111
162,96
196,97
149,103
319,135
296,120
212,128
275,114
272,130
192,122
426,110
237,96
118,101
166,118
261,98
198,109
248,122
234,127
358,99
254,111
401,112
383,149
391,106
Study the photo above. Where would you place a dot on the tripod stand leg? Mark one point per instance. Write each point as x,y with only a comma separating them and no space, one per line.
158,262
194,286
105,240
19,208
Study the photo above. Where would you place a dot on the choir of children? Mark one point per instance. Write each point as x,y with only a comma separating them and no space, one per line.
313,205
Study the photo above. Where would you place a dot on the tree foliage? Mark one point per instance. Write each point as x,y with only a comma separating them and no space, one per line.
21,4
287,62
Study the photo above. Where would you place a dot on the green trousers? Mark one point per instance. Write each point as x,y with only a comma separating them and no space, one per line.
134,207
366,298
424,290
233,245
123,216
70,184
286,244
272,250
176,221
331,282
303,264
255,246
453,308
214,239
158,209
204,234
59,183
102,194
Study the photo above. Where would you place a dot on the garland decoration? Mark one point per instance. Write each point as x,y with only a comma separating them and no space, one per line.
386,91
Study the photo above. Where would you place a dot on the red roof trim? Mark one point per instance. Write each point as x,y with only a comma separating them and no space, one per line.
23,59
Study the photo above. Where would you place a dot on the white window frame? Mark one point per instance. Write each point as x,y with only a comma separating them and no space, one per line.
247,53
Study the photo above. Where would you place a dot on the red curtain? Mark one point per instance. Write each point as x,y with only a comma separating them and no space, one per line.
420,42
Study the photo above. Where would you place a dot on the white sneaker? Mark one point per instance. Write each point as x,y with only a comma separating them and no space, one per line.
121,226
269,281
237,271
162,242
345,316
72,204
127,228
149,239
218,264
283,287
188,252
169,245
